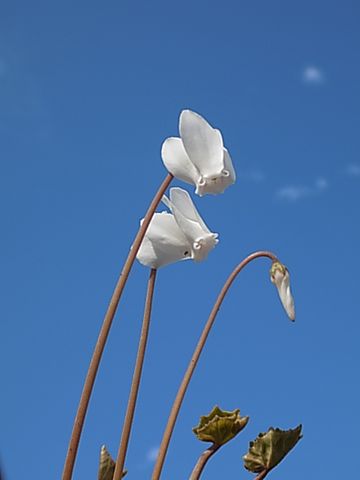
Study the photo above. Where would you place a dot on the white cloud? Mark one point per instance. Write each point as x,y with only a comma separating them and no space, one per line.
293,193
252,175
321,184
152,454
353,170
313,75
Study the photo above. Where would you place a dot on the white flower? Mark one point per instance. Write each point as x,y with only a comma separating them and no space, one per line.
198,157
279,275
180,235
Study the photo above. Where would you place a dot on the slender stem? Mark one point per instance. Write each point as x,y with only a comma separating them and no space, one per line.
104,332
203,459
194,360
120,461
262,475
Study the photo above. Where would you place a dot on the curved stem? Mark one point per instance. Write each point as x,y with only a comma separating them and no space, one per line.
104,332
120,461
194,360
262,475
203,459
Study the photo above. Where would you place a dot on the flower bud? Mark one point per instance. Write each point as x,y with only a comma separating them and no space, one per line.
279,275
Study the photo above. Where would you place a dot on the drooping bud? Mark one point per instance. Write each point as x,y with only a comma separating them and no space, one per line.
280,277
220,426
269,448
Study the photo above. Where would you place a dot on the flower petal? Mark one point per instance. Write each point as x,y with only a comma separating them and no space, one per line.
177,161
182,200
191,224
163,243
202,143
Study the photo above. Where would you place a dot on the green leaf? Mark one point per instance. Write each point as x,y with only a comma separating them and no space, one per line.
107,465
220,426
270,448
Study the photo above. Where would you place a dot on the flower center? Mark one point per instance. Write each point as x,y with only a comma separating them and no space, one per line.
203,245
214,183
201,182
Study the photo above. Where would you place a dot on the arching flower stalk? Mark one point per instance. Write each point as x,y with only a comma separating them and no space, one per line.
171,237
195,358
135,384
103,335
199,157
206,153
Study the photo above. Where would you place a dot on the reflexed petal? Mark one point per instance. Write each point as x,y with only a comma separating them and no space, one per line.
177,161
203,144
182,200
163,243
191,224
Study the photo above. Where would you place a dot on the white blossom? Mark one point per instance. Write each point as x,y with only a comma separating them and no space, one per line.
198,157
179,235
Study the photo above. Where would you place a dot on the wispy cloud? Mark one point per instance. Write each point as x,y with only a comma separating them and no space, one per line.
321,184
294,193
252,175
152,454
313,75
353,170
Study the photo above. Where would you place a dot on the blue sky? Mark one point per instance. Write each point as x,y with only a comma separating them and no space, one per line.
88,92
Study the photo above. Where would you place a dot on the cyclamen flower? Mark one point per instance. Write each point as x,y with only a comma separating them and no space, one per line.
180,235
198,157
279,275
